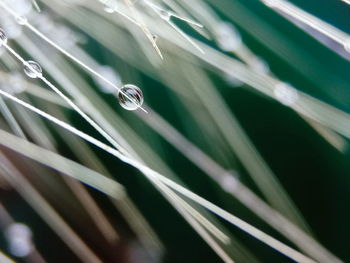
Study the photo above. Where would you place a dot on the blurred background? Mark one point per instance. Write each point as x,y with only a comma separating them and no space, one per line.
258,125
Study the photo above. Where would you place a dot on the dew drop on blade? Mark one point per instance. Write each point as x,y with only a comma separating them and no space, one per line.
130,97
22,20
286,94
165,15
32,69
108,9
109,6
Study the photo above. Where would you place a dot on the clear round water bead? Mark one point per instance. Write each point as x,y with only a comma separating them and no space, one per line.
130,97
32,69
3,37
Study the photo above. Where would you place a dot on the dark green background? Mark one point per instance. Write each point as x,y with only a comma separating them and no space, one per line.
314,173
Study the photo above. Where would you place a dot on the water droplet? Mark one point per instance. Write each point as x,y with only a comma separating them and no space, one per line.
130,97
260,65
32,69
18,230
109,6
286,94
108,9
227,36
165,14
19,237
229,182
22,20
3,37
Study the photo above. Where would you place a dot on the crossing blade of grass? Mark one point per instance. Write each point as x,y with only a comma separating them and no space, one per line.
105,118
65,166
302,239
154,176
5,258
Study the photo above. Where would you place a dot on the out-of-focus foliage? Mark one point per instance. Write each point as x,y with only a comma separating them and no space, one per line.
258,125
